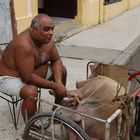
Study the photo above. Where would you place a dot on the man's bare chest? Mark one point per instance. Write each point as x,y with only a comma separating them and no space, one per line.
42,56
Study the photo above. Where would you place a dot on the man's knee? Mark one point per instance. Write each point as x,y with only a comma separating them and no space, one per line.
28,91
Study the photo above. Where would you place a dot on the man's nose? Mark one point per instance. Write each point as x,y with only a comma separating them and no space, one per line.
51,31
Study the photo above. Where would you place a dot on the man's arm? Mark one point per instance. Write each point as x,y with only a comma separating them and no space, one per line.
25,64
56,65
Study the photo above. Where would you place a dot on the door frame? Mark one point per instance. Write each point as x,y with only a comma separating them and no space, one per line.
13,19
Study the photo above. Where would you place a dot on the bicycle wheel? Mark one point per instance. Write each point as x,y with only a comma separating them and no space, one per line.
40,127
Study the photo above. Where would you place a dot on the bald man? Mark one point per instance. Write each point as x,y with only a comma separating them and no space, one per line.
31,60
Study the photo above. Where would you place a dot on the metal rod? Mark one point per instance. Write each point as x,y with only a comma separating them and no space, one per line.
71,110
52,118
119,124
14,115
108,122
107,130
128,88
114,115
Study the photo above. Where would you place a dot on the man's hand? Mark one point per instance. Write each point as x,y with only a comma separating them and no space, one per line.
60,89
72,94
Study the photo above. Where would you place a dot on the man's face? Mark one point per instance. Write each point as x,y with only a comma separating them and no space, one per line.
45,31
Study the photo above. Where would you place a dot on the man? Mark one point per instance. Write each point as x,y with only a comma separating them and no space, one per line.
29,61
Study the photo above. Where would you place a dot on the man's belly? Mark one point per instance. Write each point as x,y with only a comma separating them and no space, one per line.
6,71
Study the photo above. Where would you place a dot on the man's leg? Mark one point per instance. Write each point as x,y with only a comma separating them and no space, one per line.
28,93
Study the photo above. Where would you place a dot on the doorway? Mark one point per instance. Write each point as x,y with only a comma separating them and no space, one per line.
65,8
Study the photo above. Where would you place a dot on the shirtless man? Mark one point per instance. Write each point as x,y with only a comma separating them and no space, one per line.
29,61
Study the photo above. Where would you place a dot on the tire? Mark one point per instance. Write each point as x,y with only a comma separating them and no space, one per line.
137,121
45,122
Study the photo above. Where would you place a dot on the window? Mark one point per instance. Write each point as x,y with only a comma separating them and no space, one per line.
106,2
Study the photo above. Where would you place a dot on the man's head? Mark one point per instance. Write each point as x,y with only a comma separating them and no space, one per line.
41,28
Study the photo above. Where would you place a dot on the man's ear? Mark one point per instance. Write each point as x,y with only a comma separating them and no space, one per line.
34,29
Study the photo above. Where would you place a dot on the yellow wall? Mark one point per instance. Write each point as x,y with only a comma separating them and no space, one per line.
25,12
88,12
115,9
92,12
133,3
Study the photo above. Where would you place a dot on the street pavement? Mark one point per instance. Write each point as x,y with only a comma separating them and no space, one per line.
115,41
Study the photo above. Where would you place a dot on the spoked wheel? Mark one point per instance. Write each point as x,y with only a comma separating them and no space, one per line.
45,127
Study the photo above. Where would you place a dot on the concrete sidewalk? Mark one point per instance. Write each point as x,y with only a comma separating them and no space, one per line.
115,41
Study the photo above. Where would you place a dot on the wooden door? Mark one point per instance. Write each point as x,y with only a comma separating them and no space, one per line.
61,8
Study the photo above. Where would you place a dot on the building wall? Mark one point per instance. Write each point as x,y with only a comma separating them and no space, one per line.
133,3
92,12
5,23
89,12
115,9
25,10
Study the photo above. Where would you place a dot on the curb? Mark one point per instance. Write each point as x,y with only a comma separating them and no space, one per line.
128,53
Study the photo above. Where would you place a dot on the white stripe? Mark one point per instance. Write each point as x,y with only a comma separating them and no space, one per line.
29,8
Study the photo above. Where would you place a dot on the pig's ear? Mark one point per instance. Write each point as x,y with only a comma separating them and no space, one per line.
81,83
94,70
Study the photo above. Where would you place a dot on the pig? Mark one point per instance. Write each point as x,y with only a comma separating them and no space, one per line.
95,97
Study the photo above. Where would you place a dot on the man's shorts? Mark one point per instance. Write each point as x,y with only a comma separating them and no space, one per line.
12,85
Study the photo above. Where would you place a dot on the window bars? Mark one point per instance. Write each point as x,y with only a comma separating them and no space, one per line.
107,2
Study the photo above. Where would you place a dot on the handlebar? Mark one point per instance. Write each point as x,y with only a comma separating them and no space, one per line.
133,74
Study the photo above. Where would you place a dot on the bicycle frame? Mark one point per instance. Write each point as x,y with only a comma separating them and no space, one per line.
107,122
117,114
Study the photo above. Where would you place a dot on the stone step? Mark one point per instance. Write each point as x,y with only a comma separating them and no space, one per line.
59,22
66,28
